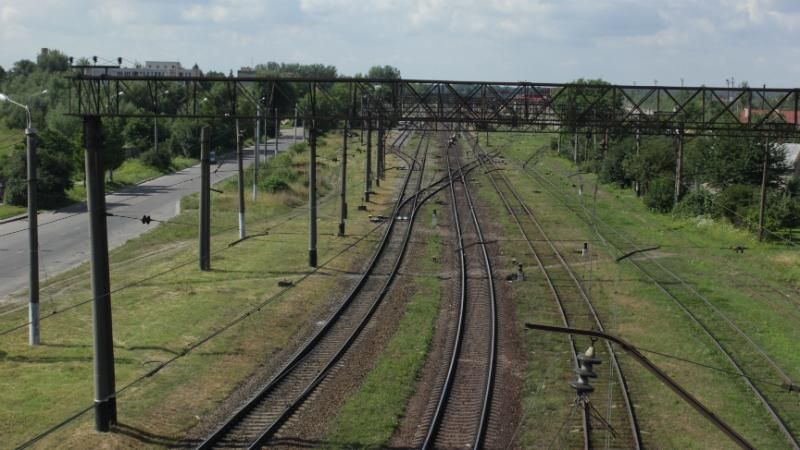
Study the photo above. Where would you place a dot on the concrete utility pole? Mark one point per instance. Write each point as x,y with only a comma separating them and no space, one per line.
368,162
343,182
312,196
637,183
763,205
33,238
105,402
257,150
379,155
205,199
277,130
294,136
575,146
312,181
240,163
33,224
679,167
155,133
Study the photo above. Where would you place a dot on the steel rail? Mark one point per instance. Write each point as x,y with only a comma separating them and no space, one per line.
243,411
620,375
553,189
442,402
269,432
660,374
595,316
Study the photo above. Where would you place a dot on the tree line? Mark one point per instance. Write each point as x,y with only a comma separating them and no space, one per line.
722,175
42,85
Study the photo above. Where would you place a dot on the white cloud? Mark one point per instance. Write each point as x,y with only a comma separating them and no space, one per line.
548,40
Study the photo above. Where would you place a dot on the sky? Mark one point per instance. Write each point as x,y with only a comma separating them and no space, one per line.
622,41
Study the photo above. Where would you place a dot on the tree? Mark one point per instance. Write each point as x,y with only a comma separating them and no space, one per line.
52,61
185,134
2,73
725,161
586,101
384,72
113,146
24,67
138,132
54,171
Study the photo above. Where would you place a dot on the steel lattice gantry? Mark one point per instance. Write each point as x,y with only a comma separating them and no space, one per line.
517,106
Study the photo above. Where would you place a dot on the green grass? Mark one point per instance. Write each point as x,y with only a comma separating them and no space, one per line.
164,305
7,211
699,251
131,172
370,416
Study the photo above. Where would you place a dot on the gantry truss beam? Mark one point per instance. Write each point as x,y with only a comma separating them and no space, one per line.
517,106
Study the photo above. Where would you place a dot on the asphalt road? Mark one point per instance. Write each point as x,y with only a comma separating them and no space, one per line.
64,234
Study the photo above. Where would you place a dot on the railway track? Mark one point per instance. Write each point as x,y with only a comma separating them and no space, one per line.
260,418
745,357
576,310
459,416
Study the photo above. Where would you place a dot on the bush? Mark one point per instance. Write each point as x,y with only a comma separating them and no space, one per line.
734,201
783,211
660,194
274,183
300,147
158,159
696,203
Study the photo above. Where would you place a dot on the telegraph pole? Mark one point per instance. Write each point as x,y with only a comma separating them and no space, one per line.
343,182
368,161
679,167
33,239
637,184
379,155
762,207
294,136
277,130
205,200
255,156
240,162
105,403
312,182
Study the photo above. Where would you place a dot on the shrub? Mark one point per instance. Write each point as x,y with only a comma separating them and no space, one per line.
274,183
734,201
158,159
298,148
696,203
660,194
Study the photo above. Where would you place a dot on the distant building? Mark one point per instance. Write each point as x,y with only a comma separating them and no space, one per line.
793,157
789,115
246,72
150,69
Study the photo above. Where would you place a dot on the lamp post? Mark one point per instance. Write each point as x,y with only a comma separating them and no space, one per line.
33,225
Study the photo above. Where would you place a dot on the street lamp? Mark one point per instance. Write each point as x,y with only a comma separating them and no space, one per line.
33,232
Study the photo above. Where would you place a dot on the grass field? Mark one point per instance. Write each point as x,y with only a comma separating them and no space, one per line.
700,252
369,417
131,172
164,309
